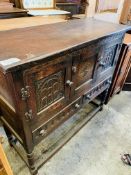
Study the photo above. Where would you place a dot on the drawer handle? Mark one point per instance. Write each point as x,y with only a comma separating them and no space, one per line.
88,97
109,82
69,83
102,64
74,69
77,106
42,132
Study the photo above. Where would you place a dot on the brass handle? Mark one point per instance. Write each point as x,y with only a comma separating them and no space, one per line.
74,69
69,83
42,132
77,106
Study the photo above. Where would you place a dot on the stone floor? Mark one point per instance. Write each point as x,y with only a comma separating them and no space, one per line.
95,150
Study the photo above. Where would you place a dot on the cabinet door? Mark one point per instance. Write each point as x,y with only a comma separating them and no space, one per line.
48,90
107,57
121,71
83,68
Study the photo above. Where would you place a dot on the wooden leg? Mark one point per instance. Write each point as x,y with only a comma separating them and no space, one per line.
118,92
33,169
104,99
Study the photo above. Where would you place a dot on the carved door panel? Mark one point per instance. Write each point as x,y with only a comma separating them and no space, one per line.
48,92
83,67
107,58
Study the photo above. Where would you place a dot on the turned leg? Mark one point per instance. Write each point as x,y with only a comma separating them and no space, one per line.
118,92
103,100
31,162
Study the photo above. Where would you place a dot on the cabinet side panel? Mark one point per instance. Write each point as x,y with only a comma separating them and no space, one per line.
5,91
8,106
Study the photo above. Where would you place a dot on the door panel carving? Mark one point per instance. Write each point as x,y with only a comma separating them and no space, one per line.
107,58
49,90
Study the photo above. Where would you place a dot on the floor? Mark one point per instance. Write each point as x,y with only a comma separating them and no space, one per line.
95,150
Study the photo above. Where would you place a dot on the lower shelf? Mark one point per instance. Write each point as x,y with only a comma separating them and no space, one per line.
57,139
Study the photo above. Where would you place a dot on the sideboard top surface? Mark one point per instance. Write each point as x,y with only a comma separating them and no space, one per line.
31,44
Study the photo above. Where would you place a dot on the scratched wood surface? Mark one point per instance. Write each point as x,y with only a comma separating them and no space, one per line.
23,22
28,43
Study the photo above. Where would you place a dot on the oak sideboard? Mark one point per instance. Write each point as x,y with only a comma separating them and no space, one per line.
48,73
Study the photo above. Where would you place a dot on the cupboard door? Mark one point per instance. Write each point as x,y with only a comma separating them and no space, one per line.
48,90
83,69
106,59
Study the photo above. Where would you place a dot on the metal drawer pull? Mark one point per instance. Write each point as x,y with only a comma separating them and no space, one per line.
29,115
102,64
42,132
88,97
77,106
109,81
69,83
74,69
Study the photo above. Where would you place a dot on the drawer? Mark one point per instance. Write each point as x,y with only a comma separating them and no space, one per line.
42,131
94,92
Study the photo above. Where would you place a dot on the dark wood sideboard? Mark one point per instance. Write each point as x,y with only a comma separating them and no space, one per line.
12,13
122,77
49,72
7,10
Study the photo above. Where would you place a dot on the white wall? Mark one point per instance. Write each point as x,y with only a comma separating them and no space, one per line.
108,4
91,8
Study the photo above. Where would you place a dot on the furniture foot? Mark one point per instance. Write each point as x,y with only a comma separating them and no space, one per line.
33,169
105,97
101,109
12,141
118,92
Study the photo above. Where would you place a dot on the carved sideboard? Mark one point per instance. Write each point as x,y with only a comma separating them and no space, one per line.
49,72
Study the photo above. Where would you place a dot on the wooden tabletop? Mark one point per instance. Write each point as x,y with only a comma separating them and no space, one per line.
12,10
32,44
14,23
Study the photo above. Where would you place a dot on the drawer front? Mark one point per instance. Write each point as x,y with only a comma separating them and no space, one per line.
94,92
48,92
42,131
